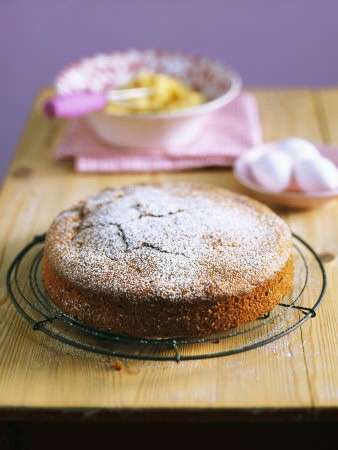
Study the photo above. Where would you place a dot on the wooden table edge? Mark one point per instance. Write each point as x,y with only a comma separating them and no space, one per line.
169,415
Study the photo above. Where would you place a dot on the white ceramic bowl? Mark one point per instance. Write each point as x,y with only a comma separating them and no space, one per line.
291,199
155,130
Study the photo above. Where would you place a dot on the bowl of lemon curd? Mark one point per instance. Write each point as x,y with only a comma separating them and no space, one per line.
184,93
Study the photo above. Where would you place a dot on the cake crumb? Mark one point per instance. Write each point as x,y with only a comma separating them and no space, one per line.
117,365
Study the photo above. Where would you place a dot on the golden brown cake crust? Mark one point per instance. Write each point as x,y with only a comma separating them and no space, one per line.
167,260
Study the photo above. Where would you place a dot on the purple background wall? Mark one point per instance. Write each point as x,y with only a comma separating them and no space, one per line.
281,42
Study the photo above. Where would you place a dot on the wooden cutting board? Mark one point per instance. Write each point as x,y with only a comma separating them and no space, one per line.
296,375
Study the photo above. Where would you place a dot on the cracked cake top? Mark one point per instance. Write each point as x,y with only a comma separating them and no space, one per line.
167,242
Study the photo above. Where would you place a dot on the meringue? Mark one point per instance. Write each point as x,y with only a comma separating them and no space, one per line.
318,174
297,148
272,170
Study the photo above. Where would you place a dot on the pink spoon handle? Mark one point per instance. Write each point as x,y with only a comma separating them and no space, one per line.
74,105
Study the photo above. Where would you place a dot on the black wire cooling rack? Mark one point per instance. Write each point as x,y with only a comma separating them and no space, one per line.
26,291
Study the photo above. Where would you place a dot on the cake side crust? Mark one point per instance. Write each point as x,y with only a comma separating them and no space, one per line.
154,319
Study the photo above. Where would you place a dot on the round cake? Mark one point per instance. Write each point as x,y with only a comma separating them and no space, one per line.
167,260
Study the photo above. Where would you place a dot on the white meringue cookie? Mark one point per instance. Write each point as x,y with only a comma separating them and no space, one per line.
297,148
318,174
272,170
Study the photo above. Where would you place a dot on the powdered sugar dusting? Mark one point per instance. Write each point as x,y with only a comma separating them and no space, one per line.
169,241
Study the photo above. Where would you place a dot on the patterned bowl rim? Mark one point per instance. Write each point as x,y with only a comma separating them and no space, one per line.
233,78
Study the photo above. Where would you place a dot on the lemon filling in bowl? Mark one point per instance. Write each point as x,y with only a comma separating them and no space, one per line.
166,93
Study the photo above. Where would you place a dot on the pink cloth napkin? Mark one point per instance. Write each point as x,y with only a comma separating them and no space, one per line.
232,130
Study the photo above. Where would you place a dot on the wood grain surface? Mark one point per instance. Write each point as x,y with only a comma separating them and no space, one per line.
298,372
